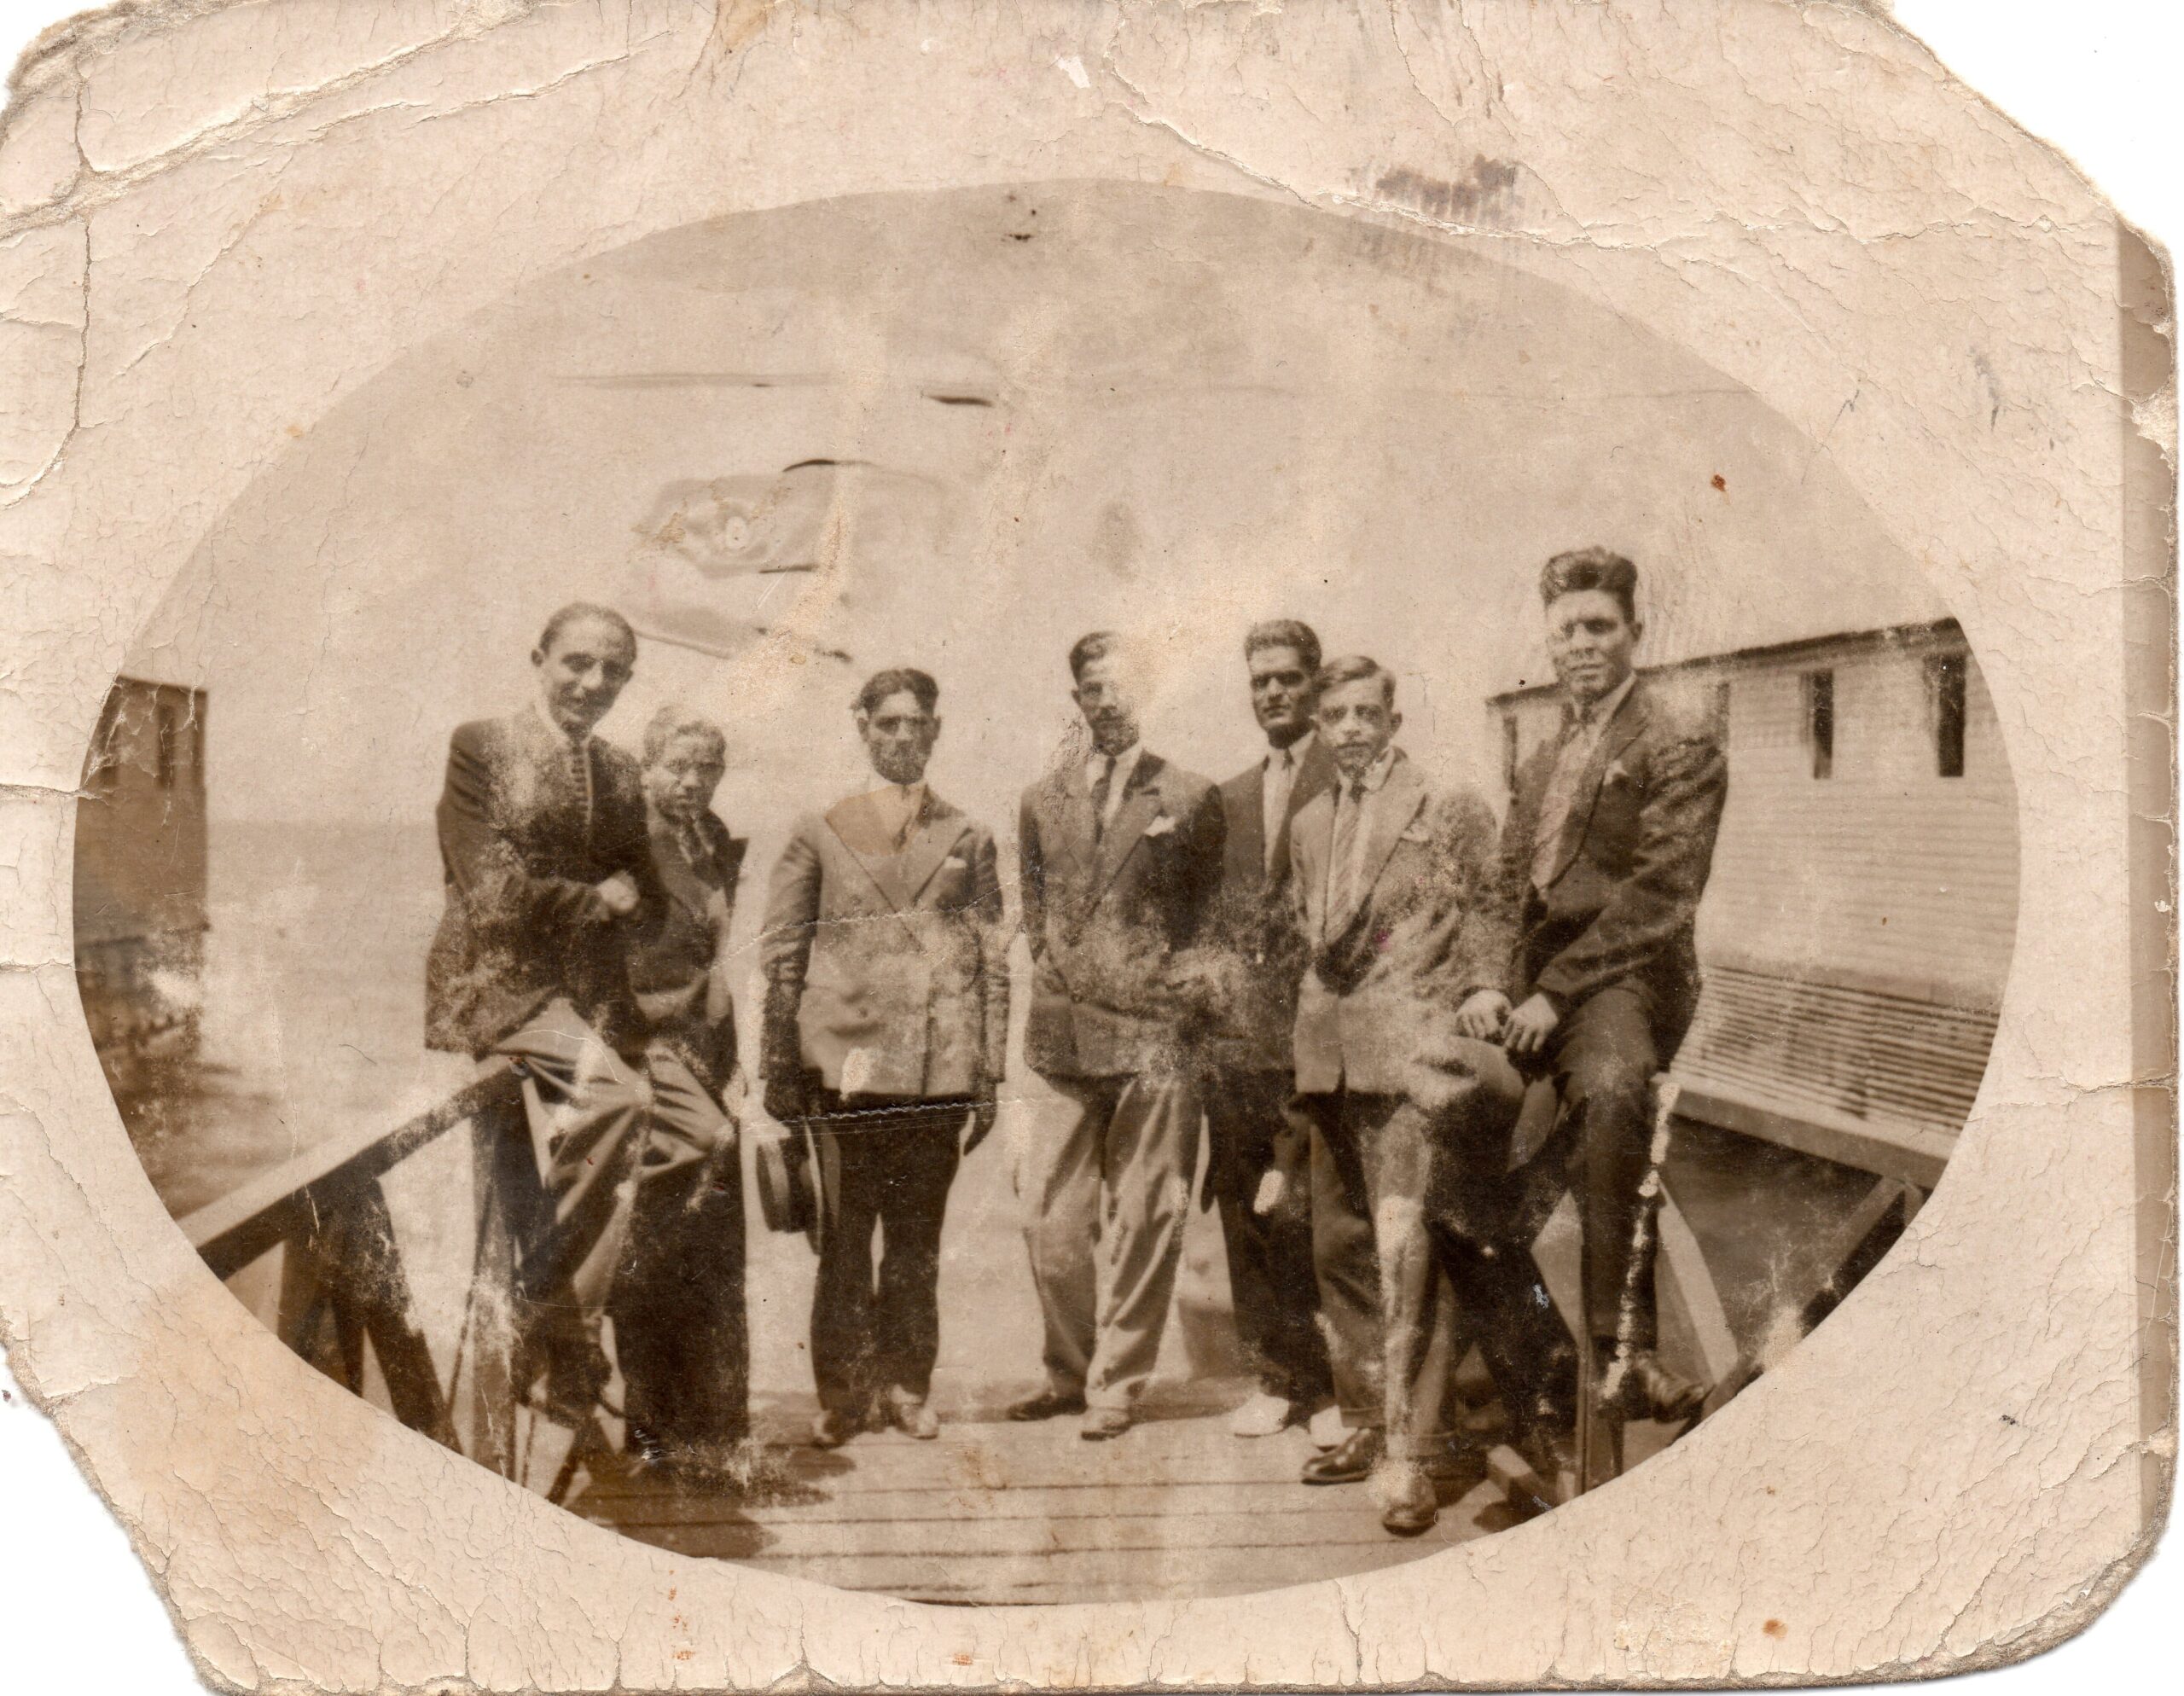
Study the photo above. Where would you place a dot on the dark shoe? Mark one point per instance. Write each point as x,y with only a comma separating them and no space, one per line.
1101,1424
912,1415
1551,1453
1408,1506
1351,1463
832,1430
1644,1389
1047,1405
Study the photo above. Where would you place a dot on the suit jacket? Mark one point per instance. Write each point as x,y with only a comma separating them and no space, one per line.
1106,916
1633,861
1253,935
520,851
887,973
1375,1012
680,969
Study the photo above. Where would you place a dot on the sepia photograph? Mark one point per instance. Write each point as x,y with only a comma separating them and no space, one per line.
1080,891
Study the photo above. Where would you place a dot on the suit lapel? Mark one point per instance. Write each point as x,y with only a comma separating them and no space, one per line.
1621,731
1247,846
938,832
850,825
683,884
1141,805
1314,777
1397,805
1311,837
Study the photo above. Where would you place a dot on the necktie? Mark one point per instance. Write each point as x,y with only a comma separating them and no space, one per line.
578,756
1099,787
692,840
1555,805
1342,874
1281,783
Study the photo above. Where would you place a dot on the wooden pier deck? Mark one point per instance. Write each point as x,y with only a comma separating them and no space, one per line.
997,1513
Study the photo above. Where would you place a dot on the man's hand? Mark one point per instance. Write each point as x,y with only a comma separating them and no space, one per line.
1273,1191
1482,1014
985,1108
1530,1025
785,1098
620,893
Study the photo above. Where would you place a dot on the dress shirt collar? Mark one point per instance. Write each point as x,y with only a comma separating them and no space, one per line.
1590,719
1126,766
1293,757
560,734
1376,774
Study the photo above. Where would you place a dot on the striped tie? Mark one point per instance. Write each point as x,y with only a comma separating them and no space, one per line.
1342,875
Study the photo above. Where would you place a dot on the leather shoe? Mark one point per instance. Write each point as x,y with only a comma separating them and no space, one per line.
1647,1390
832,1430
1102,1423
912,1415
1047,1405
1407,1504
1352,1462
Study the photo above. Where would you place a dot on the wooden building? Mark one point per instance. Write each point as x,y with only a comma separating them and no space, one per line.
1858,926
141,883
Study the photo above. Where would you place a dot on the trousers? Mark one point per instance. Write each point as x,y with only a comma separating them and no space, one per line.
1434,1215
1603,1057
681,1334
894,1160
1253,1128
1104,1181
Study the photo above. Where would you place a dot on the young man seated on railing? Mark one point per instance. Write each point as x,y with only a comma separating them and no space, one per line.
550,883
681,1336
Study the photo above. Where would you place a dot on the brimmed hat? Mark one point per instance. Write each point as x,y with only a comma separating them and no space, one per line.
795,1173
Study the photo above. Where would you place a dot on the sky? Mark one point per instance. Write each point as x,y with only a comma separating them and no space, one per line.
1166,411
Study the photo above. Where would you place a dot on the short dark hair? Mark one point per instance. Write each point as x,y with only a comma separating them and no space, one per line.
1356,668
1285,633
1096,646
675,721
585,609
1591,568
895,681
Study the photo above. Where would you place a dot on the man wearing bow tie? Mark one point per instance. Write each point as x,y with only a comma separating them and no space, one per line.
1121,856
549,880
886,1024
1396,890
1609,842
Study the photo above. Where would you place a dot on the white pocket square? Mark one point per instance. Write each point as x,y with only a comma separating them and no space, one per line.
1161,826
1417,832
1615,774
954,862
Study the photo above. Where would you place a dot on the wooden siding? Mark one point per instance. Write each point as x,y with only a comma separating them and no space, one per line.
1857,929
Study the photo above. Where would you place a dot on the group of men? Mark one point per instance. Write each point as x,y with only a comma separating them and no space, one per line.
1404,1031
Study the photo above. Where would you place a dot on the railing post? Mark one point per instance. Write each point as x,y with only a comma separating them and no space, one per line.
501,1163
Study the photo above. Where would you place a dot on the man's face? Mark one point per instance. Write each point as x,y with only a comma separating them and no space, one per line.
1109,703
682,781
583,672
1281,693
898,734
1590,640
1356,723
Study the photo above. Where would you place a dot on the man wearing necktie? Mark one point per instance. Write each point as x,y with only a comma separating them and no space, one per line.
681,1334
1121,858
886,1026
550,879
1396,892
1610,838
1260,1144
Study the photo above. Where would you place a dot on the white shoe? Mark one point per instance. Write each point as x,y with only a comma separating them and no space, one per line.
1263,1416
1327,1430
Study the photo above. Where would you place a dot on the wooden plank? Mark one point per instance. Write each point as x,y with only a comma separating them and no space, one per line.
1910,1157
942,1506
235,1230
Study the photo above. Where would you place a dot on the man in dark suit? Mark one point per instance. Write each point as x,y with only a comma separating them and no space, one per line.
550,879
1121,856
1256,1170
1610,838
887,1023
681,1334
1397,892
